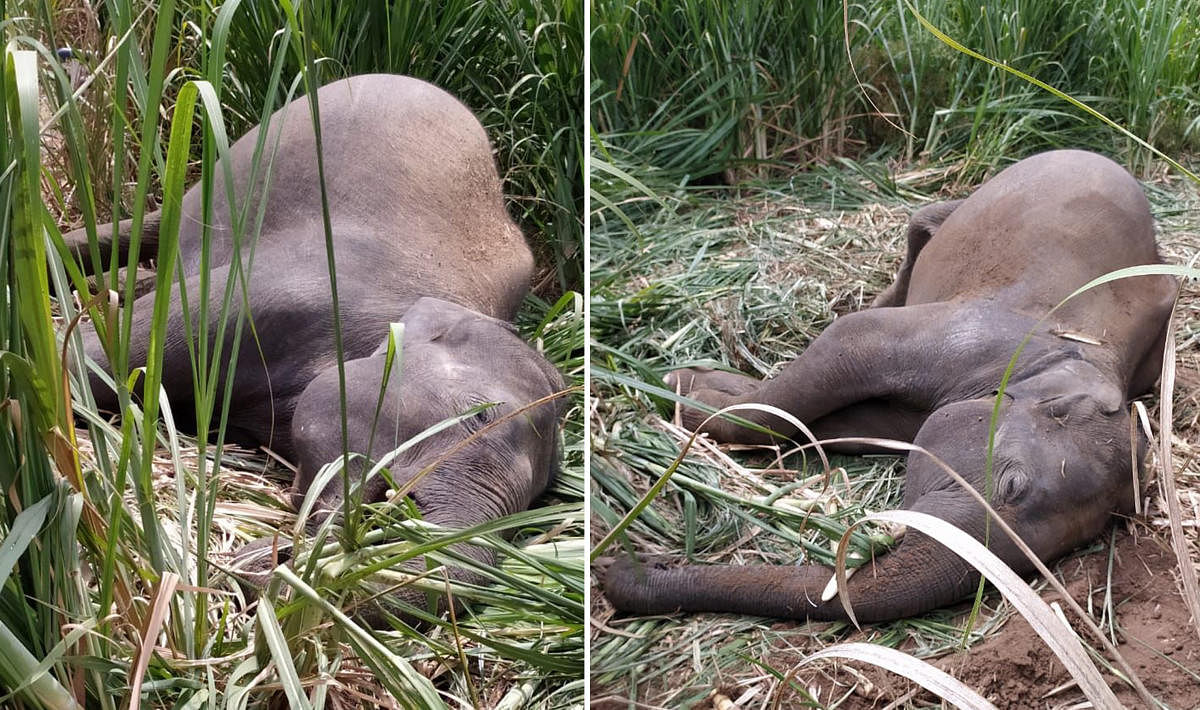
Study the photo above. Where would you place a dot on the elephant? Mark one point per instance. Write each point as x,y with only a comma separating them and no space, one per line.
421,236
924,363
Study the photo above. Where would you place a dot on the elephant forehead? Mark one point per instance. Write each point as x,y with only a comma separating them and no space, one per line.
482,379
449,387
450,370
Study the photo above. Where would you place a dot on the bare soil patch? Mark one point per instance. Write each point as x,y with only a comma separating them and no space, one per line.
1153,630
1015,669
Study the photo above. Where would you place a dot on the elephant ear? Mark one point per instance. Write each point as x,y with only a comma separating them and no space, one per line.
1099,421
1063,383
434,320
554,380
1100,399
1090,395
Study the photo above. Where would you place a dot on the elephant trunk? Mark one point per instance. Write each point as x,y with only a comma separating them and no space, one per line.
918,576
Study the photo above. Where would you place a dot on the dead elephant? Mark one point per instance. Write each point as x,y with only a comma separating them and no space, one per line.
923,365
421,236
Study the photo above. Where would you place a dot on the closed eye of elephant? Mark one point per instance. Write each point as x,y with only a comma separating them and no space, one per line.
923,364
421,237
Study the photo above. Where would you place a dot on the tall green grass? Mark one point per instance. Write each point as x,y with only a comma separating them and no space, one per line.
715,91
110,581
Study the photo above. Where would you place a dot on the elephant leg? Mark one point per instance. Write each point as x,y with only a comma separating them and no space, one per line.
873,419
176,378
876,419
921,228
145,282
78,246
911,357
251,401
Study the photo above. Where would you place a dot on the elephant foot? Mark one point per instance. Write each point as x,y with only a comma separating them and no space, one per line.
716,388
146,280
692,379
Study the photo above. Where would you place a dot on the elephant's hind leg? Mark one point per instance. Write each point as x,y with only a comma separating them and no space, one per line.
78,246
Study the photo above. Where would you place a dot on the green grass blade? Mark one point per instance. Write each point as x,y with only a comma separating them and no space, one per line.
20,534
281,654
19,669
415,687
1050,89
28,244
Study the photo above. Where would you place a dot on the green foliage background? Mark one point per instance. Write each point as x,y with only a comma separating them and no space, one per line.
695,88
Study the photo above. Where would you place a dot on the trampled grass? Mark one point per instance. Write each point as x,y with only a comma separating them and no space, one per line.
112,586
748,277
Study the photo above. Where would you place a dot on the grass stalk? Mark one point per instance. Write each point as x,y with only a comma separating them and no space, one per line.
147,502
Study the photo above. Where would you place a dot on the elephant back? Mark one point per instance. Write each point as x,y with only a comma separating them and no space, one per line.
411,185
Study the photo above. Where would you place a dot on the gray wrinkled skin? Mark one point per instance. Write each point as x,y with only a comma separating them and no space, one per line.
421,236
923,364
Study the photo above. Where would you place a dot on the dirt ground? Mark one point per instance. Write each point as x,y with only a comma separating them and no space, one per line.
1156,638
1015,669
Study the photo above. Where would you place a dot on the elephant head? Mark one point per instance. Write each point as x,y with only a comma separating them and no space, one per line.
451,360
1060,458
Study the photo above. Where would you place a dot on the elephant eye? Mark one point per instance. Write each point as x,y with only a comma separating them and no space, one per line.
1013,484
481,418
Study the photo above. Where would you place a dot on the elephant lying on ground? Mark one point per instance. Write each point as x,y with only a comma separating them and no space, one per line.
923,365
421,236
